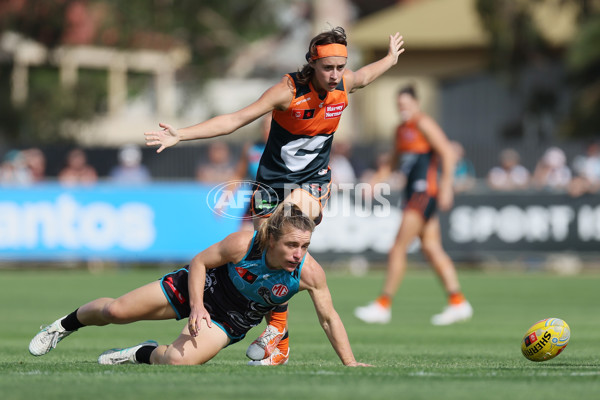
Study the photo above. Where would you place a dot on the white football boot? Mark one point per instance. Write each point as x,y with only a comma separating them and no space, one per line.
48,338
123,356
373,313
265,344
276,358
453,313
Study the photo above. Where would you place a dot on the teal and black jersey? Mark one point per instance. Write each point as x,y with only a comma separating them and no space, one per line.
257,282
300,139
236,295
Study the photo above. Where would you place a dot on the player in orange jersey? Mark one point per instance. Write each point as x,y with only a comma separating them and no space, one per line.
420,146
306,107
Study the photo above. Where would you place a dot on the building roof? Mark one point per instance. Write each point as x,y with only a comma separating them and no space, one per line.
452,24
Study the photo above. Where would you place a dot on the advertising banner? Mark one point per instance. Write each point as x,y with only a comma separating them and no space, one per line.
174,221
491,223
139,223
540,222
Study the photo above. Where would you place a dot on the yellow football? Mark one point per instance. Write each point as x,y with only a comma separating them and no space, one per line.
545,339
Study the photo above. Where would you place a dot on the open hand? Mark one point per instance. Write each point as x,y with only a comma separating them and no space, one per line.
358,364
396,43
167,137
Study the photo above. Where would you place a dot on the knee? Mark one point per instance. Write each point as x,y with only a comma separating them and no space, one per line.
114,313
171,359
398,249
172,356
431,248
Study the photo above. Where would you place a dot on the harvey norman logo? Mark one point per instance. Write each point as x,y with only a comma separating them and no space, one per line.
334,110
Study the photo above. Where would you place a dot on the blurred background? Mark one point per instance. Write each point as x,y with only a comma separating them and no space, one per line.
515,84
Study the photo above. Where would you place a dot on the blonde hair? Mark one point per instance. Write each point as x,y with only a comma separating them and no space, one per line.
285,215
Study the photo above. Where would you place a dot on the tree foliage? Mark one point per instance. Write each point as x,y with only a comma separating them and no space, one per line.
517,43
514,39
583,63
211,29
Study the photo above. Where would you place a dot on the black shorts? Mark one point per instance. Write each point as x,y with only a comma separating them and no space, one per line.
228,308
421,183
423,204
265,198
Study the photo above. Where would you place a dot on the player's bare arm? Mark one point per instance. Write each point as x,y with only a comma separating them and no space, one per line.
441,145
314,281
231,249
276,97
369,73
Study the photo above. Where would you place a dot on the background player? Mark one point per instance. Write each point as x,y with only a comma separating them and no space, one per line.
420,145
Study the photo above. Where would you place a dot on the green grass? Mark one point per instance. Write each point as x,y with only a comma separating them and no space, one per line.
480,359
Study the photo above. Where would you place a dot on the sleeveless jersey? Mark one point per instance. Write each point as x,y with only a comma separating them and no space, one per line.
418,161
410,139
299,143
236,295
258,283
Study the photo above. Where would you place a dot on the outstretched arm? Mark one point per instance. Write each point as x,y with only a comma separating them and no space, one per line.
369,73
313,280
276,97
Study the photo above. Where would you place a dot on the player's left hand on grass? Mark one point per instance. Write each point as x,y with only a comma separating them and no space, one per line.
358,364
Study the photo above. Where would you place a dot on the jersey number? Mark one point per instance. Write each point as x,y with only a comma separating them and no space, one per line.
298,153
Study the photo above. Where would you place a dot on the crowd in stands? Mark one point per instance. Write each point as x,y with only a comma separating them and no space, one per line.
552,172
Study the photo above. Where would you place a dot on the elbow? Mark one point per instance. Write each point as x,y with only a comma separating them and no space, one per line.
326,325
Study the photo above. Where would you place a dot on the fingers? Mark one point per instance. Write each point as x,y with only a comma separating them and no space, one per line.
152,139
193,327
194,324
399,45
358,364
396,43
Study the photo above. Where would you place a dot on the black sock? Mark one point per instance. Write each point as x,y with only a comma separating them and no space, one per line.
70,322
142,355
281,308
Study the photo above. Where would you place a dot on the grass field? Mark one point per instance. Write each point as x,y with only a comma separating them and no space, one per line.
479,359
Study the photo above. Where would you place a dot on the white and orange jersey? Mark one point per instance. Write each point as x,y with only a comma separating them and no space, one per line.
300,138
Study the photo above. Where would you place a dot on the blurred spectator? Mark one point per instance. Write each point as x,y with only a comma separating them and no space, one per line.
551,171
464,173
219,167
383,168
586,169
342,170
509,175
13,169
77,170
130,168
36,163
247,166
